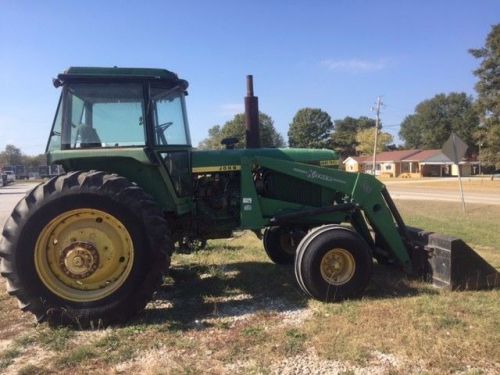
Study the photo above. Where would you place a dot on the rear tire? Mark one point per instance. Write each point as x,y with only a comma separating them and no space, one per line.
280,245
86,249
333,263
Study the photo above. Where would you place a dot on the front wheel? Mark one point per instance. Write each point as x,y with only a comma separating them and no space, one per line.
333,263
85,249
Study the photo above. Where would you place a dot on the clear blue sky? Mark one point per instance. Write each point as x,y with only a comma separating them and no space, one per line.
335,55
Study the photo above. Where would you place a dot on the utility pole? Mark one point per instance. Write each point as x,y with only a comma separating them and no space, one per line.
479,156
377,122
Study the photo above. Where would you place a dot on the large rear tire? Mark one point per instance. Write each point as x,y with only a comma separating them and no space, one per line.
86,249
333,263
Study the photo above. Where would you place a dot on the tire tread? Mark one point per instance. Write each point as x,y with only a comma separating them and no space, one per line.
117,188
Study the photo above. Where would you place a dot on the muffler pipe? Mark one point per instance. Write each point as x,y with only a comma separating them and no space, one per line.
252,116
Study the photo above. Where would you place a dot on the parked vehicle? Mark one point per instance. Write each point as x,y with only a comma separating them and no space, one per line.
10,177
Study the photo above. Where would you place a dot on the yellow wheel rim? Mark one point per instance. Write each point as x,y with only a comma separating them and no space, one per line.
337,266
84,255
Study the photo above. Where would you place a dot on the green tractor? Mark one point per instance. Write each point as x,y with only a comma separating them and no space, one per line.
91,246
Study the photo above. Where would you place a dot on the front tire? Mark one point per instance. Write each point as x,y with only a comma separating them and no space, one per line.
333,263
86,249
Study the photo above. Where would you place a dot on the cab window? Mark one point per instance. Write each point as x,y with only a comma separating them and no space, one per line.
169,117
103,115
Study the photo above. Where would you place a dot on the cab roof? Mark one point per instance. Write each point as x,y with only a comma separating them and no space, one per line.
104,73
120,72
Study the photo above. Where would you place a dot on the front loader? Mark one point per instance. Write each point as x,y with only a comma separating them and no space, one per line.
91,246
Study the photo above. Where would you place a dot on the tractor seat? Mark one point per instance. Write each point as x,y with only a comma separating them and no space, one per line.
88,137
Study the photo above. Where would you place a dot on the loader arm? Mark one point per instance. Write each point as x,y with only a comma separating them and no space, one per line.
362,192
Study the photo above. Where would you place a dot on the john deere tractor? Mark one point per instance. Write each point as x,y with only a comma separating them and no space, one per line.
92,245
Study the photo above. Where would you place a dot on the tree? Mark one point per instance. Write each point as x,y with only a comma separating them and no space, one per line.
344,136
34,161
236,127
212,142
434,120
310,128
488,103
11,156
365,139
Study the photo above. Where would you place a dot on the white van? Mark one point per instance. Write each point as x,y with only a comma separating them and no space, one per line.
11,177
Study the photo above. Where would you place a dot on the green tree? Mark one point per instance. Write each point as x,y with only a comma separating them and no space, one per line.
488,103
344,136
11,156
434,120
269,137
365,139
310,128
34,161
212,142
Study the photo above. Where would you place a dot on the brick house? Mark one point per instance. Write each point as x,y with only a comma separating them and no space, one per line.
410,163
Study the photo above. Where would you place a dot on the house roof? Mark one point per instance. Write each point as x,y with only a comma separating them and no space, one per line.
422,155
395,155
438,158
384,156
357,159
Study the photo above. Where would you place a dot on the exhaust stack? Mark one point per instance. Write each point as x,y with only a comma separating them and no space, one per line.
252,116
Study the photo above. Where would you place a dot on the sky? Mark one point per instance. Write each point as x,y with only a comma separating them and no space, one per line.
336,55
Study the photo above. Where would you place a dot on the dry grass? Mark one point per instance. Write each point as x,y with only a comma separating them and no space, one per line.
229,310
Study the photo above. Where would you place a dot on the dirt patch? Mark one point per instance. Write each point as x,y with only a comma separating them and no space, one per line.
310,363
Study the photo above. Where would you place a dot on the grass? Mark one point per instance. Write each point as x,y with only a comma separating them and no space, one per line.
227,309
295,341
8,357
442,331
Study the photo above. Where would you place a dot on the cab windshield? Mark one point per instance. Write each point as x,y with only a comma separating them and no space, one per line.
100,115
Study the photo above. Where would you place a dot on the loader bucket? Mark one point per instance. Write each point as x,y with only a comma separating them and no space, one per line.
450,263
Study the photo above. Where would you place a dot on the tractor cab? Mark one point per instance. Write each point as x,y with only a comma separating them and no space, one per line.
119,107
126,121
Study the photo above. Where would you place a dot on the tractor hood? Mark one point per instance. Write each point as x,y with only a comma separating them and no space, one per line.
230,160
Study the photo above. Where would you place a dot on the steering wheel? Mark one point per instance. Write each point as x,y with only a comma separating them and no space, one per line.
164,126
160,132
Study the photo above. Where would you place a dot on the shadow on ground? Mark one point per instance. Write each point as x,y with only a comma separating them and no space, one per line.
195,295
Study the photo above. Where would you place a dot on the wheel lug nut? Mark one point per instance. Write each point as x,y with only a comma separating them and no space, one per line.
78,261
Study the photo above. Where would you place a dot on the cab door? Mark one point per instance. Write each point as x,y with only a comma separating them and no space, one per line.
171,140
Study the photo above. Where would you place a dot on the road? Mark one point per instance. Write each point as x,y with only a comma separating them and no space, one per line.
401,191
9,196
